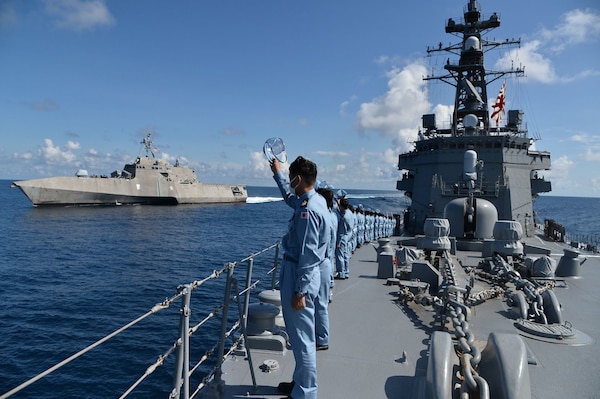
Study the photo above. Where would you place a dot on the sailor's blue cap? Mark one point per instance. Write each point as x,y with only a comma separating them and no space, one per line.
322,184
340,194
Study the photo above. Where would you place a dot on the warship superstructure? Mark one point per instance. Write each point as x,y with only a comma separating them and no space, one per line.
147,180
473,169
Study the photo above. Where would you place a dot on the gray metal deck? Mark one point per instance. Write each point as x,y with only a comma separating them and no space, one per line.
369,336
379,348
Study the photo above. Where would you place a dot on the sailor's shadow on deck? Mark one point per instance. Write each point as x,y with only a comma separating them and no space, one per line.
367,276
426,325
248,391
399,387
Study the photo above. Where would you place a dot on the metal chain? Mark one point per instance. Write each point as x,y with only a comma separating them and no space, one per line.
454,301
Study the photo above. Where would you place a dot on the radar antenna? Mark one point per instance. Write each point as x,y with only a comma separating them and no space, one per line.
468,75
147,142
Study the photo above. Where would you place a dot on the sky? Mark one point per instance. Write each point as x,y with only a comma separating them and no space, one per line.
340,81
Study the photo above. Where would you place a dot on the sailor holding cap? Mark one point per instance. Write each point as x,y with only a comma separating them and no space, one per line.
304,246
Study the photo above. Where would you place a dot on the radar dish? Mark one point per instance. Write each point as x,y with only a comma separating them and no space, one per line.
473,90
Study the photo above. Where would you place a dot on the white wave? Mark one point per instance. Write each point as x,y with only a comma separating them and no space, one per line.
374,195
261,200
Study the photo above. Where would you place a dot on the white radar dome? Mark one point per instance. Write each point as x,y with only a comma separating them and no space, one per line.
470,120
472,43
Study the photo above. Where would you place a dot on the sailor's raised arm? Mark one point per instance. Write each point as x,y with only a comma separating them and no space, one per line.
289,197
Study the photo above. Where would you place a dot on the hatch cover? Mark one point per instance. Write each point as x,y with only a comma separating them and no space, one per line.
556,331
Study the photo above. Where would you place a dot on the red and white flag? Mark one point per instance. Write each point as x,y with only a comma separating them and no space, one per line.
499,106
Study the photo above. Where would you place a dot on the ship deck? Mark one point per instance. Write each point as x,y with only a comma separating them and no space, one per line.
379,346
370,337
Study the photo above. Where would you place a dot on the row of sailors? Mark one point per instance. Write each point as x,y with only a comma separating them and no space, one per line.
355,227
320,229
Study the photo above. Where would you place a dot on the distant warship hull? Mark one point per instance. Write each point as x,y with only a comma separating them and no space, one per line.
147,181
63,191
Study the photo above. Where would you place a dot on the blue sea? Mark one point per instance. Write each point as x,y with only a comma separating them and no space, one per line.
69,276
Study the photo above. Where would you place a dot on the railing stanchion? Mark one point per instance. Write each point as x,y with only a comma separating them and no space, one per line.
243,325
218,382
247,296
275,266
183,353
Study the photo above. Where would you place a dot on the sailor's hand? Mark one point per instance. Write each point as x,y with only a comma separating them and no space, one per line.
298,303
275,166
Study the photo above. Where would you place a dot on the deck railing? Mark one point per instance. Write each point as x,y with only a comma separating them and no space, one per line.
233,296
557,232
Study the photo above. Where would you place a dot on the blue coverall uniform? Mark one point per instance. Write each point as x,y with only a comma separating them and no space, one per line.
343,251
326,268
304,246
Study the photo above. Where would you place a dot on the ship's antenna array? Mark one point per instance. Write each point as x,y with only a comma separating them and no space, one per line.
147,142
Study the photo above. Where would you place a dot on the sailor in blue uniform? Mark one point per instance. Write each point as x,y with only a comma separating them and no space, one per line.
344,235
326,267
360,222
304,246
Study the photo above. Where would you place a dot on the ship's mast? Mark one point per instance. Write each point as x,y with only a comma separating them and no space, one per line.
147,142
471,113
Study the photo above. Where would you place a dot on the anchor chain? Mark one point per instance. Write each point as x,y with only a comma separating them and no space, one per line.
532,290
454,300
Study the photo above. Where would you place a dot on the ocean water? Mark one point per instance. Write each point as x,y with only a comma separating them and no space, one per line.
69,276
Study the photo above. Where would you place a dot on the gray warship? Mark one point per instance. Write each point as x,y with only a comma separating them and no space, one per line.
148,180
471,172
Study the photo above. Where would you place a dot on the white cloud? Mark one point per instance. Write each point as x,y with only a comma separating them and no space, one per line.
443,115
54,155
591,145
581,138
390,156
561,167
25,156
54,160
79,15
73,145
530,56
259,167
398,112
595,183
345,104
592,154
332,153
258,163
559,174
577,27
